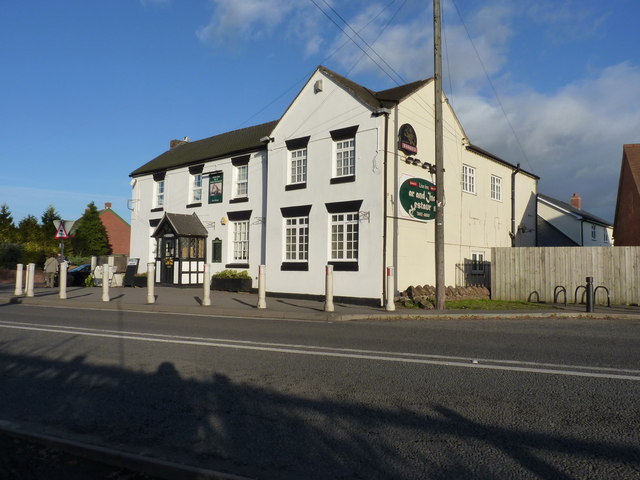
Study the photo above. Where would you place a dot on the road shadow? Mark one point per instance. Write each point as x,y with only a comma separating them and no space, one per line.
262,432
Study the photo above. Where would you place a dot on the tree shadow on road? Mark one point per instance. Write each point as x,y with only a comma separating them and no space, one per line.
262,432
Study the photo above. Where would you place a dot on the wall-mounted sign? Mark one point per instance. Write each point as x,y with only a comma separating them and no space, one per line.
407,139
418,198
215,187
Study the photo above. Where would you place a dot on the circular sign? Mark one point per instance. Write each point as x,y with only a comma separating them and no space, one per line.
418,198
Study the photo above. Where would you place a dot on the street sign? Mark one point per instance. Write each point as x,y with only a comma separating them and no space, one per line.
61,233
63,227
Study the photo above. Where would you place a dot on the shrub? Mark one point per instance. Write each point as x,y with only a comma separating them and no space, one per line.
231,274
10,255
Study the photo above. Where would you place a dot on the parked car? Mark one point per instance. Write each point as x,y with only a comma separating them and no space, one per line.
76,276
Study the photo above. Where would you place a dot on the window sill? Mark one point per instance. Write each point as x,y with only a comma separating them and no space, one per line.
157,209
194,205
344,266
236,265
239,200
469,192
295,266
344,179
295,186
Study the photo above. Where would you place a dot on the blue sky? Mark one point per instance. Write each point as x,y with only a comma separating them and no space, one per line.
93,89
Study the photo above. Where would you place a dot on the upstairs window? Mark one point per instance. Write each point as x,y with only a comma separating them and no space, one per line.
468,179
344,154
496,188
196,188
242,181
159,197
298,166
346,157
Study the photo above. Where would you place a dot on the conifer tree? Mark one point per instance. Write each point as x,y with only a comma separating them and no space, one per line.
7,227
90,236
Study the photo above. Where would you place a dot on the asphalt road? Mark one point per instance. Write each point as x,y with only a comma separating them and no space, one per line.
551,399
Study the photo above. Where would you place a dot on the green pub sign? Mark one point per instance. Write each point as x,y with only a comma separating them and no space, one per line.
215,187
418,198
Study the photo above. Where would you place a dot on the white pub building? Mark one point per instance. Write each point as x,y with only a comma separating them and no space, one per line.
345,177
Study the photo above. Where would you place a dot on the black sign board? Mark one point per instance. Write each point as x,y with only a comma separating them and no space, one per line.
407,140
129,274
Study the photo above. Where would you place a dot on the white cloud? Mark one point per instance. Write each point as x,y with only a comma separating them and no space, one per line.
572,138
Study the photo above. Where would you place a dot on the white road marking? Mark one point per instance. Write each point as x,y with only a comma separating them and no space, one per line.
386,356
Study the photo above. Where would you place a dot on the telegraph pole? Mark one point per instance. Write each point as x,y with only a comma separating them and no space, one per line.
439,157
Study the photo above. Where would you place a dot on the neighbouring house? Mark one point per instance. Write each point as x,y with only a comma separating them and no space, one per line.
626,230
562,224
118,230
345,178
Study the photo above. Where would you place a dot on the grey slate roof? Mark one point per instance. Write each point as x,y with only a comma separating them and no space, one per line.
182,225
480,151
225,144
550,236
384,98
577,211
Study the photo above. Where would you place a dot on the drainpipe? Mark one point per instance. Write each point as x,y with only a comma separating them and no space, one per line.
513,205
385,112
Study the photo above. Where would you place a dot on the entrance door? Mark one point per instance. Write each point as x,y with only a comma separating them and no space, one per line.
167,259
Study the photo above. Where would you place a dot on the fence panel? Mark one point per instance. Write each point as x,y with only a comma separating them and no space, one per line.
519,272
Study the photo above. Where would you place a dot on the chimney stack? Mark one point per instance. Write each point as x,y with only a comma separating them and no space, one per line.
107,205
576,201
175,143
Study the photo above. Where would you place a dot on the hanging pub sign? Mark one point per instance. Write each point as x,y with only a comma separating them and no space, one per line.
417,198
407,140
215,187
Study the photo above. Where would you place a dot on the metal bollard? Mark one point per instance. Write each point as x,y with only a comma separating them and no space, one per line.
262,300
105,282
151,297
31,274
18,290
62,281
390,306
328,288
590,297
206,286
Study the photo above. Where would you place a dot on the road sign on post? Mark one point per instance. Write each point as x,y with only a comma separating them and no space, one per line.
61,233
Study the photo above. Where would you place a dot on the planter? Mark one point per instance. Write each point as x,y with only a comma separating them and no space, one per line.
231,284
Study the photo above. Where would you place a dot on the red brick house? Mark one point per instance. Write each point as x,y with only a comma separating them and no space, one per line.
118,230
626,228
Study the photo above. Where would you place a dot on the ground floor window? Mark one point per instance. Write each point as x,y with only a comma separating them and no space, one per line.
477,262
297,239
344,236
241,241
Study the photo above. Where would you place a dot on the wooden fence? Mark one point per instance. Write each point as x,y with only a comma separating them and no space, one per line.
528,273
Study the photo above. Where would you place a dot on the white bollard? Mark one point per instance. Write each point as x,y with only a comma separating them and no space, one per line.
262,298
206,286
94,263
31,274
390,306
328,288
18,290
105,283
62,280
151,297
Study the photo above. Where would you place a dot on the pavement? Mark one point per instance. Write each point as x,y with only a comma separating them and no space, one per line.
240,304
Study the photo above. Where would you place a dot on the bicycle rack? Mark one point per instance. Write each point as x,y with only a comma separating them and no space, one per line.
575,297
557,291
606,290
537,296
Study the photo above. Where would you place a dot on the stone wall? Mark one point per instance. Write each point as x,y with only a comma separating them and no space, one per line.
424,296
